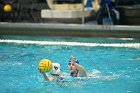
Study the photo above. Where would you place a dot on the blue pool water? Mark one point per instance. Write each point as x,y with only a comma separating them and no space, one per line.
109,63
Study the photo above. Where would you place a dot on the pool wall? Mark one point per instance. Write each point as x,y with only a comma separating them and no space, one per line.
73,30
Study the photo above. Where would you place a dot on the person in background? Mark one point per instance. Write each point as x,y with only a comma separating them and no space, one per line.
76,70
107,9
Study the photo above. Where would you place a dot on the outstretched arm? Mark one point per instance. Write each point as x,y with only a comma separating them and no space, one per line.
45,76
81,69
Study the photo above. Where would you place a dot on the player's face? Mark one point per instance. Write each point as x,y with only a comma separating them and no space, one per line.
71,67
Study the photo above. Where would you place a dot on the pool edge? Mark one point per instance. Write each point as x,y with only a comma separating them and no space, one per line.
73,30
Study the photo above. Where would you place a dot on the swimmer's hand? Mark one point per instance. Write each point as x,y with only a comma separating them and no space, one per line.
72,59
40,71
44,75
134,59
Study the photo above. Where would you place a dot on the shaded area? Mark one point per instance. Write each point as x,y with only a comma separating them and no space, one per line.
30,11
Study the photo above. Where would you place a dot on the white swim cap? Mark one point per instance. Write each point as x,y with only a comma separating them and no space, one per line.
56,70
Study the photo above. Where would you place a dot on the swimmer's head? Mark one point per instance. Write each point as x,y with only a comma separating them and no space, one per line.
72,68
72,58
56,70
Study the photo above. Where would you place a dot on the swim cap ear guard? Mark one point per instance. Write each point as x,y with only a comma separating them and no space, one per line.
56,70
75,61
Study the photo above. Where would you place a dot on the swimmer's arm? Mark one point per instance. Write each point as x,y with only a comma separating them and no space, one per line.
134,59
46,77
80,68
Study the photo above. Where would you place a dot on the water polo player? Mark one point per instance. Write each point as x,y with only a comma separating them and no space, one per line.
55,73
76,70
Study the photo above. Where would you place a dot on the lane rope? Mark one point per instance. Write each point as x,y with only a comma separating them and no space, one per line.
133,45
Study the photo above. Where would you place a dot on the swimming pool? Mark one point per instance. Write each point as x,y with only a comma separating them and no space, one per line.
108,61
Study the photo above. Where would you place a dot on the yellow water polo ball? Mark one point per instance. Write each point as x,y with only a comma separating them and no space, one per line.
7,8
45,65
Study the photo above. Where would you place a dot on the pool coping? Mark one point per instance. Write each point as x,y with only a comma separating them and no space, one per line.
72,30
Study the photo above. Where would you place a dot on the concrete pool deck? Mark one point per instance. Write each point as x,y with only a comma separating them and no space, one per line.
72,30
